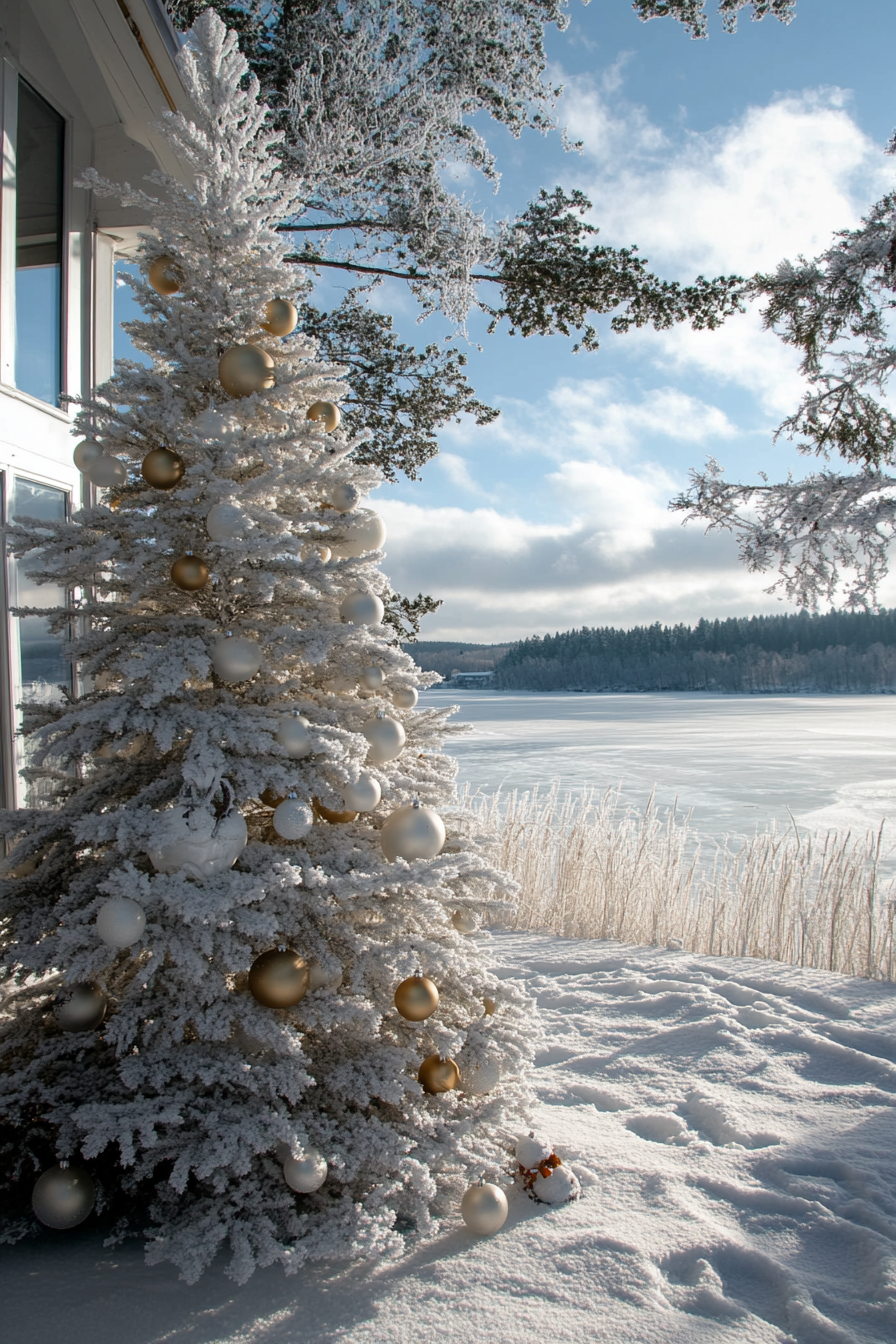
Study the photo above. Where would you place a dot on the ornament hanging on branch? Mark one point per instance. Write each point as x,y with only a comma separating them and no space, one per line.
490,1007
362,533
120,921
404,697
294,738
162,469
81,1008
235,658
438,1075
307,1173
484,1208
386,737
292,819
189,573
165,276
362,609
477,1080
329,814
413,832
86,452
244,369
542,1173
281,317
364,794
226,522
465,921
344,497
63,1196
279,978
372,678
416,998
106,471
327,412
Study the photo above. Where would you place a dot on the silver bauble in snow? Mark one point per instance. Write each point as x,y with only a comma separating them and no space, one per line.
294,738
307,1173
63,1196
226,522
362,609
81,1008
236,658
404,697
120,921
412,832
105,471
363,795
484,1208
293,819
386,737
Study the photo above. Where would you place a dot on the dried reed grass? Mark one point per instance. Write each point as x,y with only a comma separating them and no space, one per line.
590,868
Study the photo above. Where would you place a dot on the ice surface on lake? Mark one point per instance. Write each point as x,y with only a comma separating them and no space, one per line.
738,761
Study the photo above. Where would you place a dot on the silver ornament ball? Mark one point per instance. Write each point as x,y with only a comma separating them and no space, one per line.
364,532
87,451
226,522
363,795
294,738
362,609
293,819
120,921
386,737
82,1008
344,497
63,1197
465,921
105,471
404,697
412,832
307,1173
484,1208
236,658
372,678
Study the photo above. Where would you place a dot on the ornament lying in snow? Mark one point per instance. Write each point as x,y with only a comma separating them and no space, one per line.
542,1174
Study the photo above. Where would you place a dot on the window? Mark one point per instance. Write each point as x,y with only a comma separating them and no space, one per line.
40,140
39,667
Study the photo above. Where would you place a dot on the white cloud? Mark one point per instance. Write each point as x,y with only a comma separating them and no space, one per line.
457,471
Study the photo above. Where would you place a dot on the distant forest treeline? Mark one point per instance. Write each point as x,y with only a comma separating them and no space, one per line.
838,652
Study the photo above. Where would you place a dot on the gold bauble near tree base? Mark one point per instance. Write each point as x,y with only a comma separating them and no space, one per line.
163,469
279,978
281,318
438,1075
189,573
329,814
165,276
327,411
416,998
244,369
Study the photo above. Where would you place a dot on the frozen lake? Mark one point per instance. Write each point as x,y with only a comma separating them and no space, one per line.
738,762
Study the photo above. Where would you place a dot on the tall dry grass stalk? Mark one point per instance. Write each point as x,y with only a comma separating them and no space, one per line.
590,868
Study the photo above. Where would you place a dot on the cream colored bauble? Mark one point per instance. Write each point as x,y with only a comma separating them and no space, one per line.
465,921
372,678
63,1197
226,522
404,697
86,452
120,922
235,658
327,412
281,317
244,369
105,471
294,738
364,794
332,815
484,1208
386,737
364,532
307,1173
344,496
194,841
477,1080
412,832
165,276
362,609
293,819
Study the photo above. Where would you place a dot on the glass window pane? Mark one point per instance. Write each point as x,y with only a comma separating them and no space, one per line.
40,140
127,309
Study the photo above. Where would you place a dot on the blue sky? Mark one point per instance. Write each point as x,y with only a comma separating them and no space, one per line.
718,156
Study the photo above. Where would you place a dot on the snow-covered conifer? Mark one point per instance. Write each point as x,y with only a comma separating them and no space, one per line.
197,1110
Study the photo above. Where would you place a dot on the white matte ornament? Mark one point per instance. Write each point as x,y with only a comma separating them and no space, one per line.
362,796
226,522
120,922
484,1208
307,1173
206,848
404,697
362,609
87,451
293,819
465,921
105,471
413,832
236,658
364,532
63,1196
344,496
293,736
479,1079
386,737
372,678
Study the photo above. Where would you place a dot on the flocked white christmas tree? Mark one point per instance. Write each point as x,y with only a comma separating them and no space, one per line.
208,612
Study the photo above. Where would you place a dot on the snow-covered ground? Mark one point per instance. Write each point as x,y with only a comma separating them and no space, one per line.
733,1123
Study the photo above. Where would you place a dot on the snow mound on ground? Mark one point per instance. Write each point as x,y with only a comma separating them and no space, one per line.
732,1123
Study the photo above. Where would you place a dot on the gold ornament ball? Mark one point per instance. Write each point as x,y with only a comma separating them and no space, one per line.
279,978
81,1008
245,369
416,998
490,1007
438,1075
189,573
281,317
165,276
326,411
272,799
330,814
163,469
